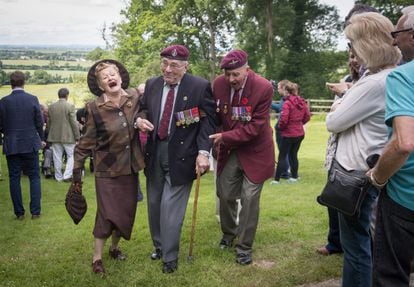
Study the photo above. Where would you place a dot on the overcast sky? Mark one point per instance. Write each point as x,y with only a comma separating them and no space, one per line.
64,22
57,22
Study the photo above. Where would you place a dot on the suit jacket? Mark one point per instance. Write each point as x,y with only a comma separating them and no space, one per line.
184,140
21,123
62,124
252,140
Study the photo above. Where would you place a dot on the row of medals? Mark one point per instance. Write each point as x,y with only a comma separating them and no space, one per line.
187,118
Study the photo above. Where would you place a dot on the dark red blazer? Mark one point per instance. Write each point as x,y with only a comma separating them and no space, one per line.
252,140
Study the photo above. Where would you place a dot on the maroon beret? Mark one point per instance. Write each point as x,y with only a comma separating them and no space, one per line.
175,52
234,59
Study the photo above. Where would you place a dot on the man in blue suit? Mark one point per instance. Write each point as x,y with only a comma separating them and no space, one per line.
21,123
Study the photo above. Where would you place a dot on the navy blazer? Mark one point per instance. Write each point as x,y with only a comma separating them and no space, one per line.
21,123
184,140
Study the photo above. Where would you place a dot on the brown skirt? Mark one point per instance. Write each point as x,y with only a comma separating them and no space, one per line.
116,200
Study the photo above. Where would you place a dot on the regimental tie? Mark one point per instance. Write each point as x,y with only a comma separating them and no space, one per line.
166,114
236,98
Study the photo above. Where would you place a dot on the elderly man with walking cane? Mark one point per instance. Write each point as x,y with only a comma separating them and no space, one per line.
178,112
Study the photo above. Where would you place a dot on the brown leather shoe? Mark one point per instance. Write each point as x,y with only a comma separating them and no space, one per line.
117,254
323,251
98,267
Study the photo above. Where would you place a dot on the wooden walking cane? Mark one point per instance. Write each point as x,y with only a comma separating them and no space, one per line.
190,251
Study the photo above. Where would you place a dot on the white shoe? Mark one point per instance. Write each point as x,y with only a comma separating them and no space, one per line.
292,180
274,182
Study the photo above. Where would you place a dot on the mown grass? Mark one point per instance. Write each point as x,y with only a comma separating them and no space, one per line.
36,62
63,73
52,251
47,94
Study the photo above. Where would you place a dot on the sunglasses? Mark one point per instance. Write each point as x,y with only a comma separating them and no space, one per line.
395,33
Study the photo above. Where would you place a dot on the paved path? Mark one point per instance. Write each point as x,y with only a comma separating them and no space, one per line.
328,283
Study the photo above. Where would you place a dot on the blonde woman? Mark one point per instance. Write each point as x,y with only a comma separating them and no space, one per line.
359,123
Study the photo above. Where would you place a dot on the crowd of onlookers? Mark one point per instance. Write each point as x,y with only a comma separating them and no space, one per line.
371,125
170,125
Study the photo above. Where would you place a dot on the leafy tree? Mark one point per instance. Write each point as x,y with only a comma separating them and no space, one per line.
27,76
389,8
97,54
41,77
3,77
149,26
290,39
284,38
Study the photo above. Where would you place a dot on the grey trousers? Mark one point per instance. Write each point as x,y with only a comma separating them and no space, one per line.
231,185
166,206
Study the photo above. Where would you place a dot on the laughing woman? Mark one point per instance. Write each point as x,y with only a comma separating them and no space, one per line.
110,136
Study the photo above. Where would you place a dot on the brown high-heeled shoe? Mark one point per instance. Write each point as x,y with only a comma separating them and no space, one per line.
98,267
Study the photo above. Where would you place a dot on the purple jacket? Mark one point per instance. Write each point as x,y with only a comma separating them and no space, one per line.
295,113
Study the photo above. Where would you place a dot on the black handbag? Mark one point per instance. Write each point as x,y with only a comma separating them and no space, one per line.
344,190
75,202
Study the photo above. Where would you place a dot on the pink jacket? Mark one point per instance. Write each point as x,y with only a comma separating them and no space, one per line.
295,113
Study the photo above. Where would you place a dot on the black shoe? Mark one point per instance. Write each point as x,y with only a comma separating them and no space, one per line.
243,258
225,244
117,254
285,176
169,267
156,254
20,217
47,173
35,216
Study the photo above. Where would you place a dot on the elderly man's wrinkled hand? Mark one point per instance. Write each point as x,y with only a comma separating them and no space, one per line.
218,138
202,164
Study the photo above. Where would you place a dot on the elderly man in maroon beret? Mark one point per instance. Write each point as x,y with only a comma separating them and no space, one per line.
246,151
177,111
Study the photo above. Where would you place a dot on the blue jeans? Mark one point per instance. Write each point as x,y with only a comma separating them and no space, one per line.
29,164
278,137
289,147
334,240
393,245
356,244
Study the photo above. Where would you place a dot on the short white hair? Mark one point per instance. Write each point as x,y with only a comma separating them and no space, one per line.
407,10
408,13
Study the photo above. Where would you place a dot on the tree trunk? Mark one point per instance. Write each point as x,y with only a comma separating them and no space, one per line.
212,53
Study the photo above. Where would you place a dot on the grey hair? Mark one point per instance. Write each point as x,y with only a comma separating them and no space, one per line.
408,13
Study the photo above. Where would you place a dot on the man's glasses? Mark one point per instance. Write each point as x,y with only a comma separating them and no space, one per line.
349,45
173,66
395,33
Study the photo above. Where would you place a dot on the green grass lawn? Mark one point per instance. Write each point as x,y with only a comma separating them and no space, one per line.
52,251
63,73
33,62
47,94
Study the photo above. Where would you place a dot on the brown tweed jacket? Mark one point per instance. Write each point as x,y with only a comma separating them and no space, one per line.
109,135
